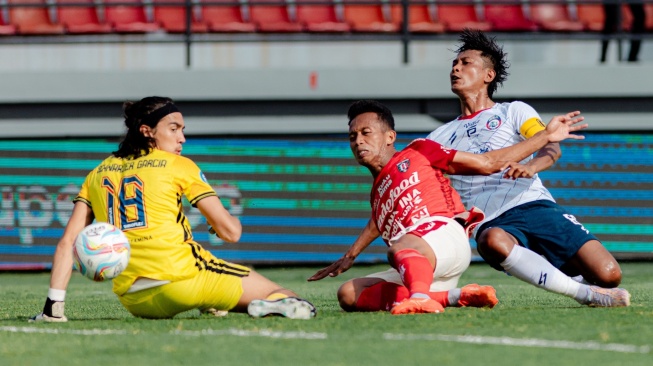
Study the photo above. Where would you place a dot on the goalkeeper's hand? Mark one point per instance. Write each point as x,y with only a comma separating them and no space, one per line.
52,312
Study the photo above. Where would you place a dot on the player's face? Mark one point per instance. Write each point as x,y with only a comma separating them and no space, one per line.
369,138
470,73
168,134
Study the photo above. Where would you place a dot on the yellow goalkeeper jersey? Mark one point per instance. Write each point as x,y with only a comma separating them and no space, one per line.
143,197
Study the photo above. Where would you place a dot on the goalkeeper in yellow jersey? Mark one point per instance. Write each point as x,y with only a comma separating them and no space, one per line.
139,189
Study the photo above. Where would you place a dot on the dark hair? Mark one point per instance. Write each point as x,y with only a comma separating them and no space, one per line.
476,40
136,114
364,106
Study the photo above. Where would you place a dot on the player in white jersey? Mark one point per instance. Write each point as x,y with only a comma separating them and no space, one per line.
492,129
525,233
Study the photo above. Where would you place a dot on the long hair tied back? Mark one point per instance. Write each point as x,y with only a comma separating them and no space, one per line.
147,111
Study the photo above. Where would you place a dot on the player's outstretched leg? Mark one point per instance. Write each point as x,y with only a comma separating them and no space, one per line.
478,296
289,307
606,297
417,274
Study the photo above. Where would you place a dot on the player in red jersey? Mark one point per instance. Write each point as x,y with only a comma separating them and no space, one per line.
419,216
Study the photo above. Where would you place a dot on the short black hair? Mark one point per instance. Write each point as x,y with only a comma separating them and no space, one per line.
366,105
473,39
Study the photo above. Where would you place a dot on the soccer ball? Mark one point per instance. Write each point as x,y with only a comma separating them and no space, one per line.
101,251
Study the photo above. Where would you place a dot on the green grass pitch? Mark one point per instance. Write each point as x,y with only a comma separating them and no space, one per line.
528,327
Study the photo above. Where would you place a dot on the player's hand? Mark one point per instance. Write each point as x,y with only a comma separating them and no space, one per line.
516,170
336,268
561,127
53,311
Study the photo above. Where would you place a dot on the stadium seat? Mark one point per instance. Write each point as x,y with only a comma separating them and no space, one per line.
508,16
225,16
458,17
367,17
6,29
319,18
420,18
592,16
554,16
33,19
80,18
172,18
271,16
126,18
626,18
648,10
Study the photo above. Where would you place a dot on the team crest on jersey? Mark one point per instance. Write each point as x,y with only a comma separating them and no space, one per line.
493,123
403,165
203,178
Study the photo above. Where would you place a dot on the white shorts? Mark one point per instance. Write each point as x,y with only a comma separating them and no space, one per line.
452,253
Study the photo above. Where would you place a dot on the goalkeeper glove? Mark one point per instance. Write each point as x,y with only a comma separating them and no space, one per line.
52,312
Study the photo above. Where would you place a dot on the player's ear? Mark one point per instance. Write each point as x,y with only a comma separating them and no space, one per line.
391,137
146,131
490,74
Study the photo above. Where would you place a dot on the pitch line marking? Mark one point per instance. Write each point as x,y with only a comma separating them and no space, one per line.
253,333
61,331
522,342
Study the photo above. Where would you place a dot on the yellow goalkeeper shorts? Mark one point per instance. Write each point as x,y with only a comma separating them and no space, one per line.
219,287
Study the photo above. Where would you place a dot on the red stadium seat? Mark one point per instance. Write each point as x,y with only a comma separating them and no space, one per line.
320,18
420,18
592,16
173,18
626,18
367,17
508,16
648,10
6,29
81,18
33,19
225,16
554,16
271,16
128,18
458,17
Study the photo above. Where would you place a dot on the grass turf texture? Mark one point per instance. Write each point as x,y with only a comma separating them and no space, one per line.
528,327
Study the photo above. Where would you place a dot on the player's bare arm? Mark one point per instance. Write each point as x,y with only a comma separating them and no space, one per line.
558,129
543,160
226,226
365,238
62,264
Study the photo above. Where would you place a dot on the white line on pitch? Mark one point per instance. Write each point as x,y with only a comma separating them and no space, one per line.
61,331
522,342
253,333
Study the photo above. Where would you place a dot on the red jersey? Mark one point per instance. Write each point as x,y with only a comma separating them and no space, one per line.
412,186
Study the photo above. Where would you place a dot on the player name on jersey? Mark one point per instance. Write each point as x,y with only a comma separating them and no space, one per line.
147,163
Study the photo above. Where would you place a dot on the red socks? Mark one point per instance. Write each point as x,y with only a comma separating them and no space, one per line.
415,270
416,273
383,295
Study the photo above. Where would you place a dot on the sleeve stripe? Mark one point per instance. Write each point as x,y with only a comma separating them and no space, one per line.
194,201
82,199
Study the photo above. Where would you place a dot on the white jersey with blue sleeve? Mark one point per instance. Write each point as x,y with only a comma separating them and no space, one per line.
502,125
